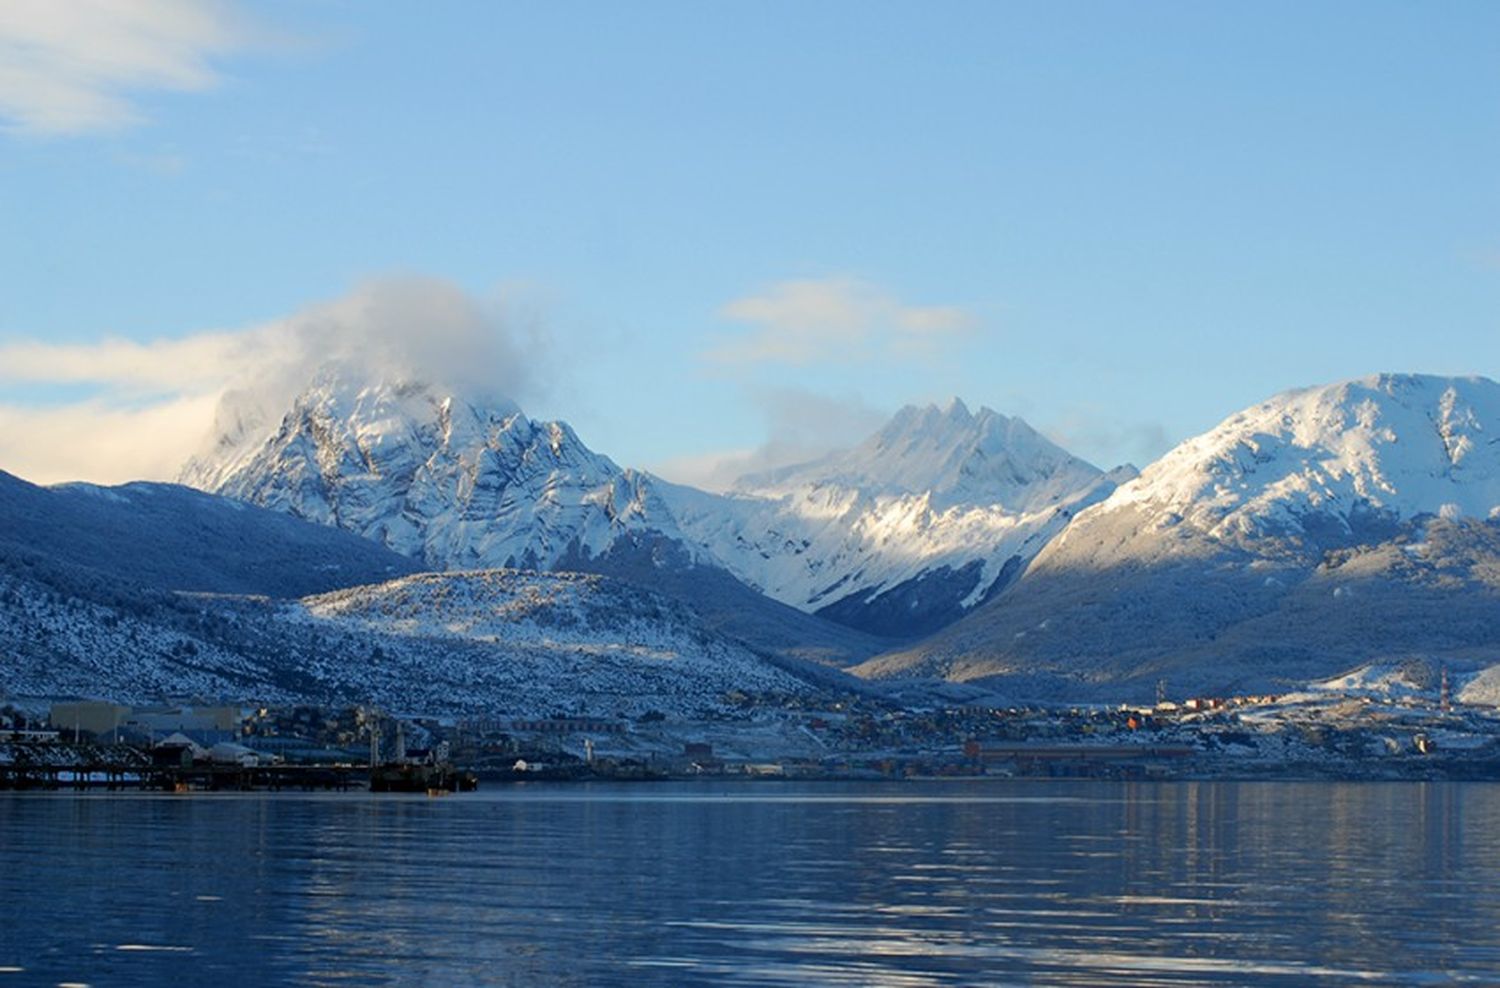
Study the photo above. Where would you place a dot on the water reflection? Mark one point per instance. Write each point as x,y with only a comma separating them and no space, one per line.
961,884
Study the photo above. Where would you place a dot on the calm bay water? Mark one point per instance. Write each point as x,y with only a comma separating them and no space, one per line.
759,884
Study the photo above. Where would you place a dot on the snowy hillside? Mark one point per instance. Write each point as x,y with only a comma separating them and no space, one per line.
90,605
1320,530
905,532
497,642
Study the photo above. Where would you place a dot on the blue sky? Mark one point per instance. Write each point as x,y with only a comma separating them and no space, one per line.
720,233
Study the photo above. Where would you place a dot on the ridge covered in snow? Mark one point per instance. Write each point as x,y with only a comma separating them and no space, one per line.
1322,529
176,538
1388,447
519,643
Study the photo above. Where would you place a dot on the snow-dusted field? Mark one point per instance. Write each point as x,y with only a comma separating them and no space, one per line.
521,644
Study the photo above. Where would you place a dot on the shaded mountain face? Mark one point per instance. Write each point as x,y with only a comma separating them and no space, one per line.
1322,529
175,538
493,642
905,533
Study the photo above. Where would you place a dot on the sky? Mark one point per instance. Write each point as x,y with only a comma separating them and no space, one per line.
721,236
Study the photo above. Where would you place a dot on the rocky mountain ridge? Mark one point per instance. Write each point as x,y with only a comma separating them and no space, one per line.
933,514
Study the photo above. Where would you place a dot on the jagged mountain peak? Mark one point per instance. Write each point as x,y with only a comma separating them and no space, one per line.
953,413
936,510
335,396
947,453
455,480
954,426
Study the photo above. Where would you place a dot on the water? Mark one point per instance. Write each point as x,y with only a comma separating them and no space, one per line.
987,883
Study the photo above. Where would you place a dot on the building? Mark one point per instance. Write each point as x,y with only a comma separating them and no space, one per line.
205,724
568,725
98,717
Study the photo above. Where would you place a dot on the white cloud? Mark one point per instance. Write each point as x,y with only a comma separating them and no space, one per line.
155,400
102,442
72,66
1103,439
807,321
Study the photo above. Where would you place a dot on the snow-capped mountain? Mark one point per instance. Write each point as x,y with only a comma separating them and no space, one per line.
148,590
954,456
454,483
1324,530
902,534
1319,530
897,536
459,482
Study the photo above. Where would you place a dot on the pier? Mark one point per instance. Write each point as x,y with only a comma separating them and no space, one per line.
55,765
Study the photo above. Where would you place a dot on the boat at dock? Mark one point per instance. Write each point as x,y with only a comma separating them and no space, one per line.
421,777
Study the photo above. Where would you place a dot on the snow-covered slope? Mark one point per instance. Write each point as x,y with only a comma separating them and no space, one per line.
1321,529
905,532
569,640
92,603
1370,451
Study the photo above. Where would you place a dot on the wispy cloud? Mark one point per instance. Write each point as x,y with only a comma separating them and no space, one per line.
153,402
807,321
76,66
801,425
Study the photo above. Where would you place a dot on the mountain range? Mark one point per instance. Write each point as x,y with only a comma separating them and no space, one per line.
932,515
1322,529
